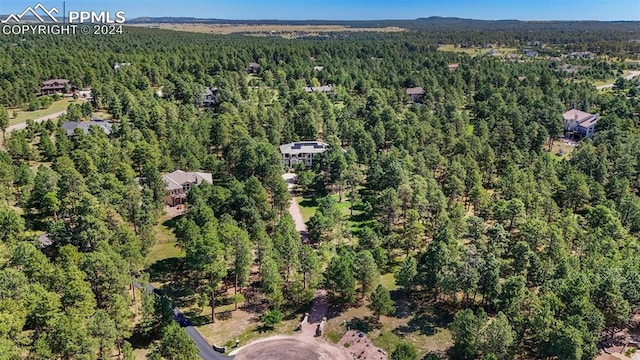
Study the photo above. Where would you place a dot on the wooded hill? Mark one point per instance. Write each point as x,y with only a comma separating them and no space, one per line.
532,255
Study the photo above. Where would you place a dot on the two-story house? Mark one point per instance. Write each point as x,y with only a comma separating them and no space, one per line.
327,89
416,94
301,152
55,86
577,122
210,96
178,184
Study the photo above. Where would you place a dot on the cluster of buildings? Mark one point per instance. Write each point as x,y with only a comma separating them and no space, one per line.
179,183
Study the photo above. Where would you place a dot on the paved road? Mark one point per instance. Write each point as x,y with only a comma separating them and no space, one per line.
204,349
23,125
632,75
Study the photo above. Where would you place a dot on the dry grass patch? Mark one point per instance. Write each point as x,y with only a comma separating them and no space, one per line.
424,326
225,29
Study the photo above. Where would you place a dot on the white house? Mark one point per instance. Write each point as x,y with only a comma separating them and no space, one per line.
579,122
301,152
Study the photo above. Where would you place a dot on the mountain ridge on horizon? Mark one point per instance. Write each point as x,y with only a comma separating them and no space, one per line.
430,19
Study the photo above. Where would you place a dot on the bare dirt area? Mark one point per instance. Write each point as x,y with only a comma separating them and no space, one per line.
361,347
291,348
282,30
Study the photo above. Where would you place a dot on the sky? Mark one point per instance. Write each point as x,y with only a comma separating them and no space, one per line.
353,9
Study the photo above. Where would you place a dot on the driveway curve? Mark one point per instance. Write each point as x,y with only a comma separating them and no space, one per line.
23,125
205,350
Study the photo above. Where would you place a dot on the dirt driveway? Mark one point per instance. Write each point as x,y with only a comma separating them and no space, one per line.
291,348
294,208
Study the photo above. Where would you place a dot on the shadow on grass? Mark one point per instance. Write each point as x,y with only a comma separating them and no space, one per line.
138,341
309,203
426,321
404,306
173,222
178,283
365,324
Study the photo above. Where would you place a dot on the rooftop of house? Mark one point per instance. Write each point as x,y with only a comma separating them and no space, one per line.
453,67
318,68
208,91
44,240
577,115
323,88
415,91
306,147
71,126
178,178
253,65
118,65
55,82
589,122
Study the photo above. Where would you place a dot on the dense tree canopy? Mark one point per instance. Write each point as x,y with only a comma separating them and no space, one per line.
534,254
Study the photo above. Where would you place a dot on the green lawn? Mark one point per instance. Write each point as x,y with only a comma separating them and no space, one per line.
165,247
23,115
308,206
610,80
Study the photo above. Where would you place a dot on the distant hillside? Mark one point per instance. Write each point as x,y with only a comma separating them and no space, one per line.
430,23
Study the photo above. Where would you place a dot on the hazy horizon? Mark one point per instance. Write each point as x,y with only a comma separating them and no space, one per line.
305,10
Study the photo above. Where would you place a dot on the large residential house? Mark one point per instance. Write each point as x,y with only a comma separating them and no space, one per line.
580,123
253,68
178,184
327,89
55,86
118,65
416,94
301,152
71,126
210,96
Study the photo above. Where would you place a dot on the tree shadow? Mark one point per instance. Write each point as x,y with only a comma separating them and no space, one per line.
365,324
361,218
173,222
197,318
138,341
179,284
404,306
427,321
309,202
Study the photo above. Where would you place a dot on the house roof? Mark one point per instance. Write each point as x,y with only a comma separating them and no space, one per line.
453,67
415,91
71,126
55,82
589,122
323,88
44,240
307,147
318,68
208,91
577,115
178,178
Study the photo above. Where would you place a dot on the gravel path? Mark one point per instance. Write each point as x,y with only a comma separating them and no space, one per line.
294,208
23,125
